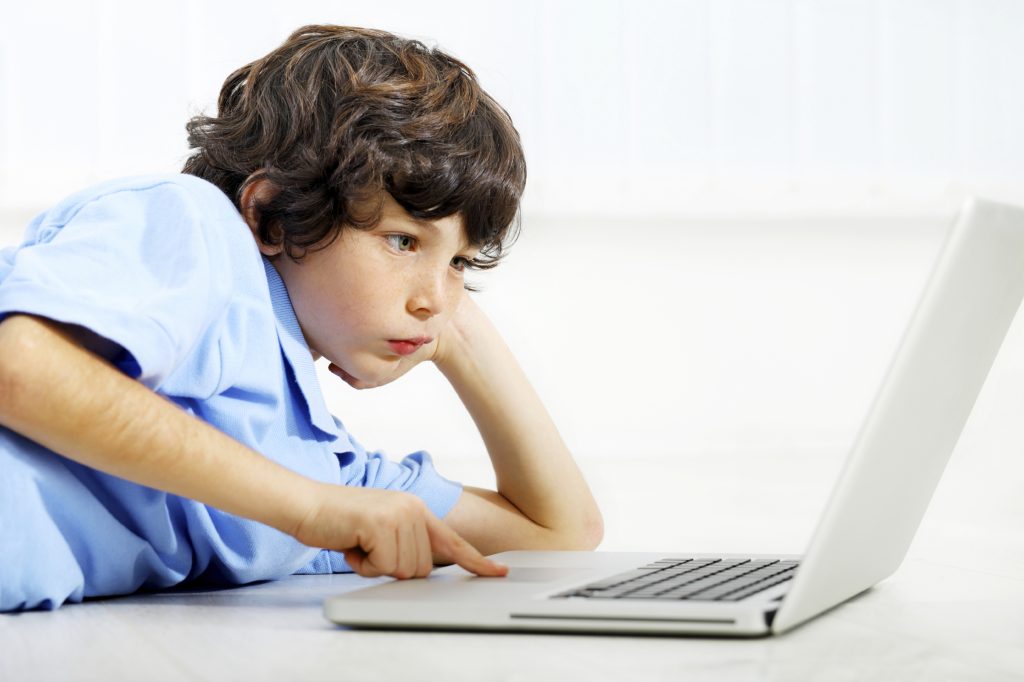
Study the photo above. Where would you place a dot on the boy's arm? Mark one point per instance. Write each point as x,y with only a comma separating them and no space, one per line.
542,501
59,394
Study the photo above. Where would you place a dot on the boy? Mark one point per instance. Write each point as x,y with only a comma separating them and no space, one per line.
161,419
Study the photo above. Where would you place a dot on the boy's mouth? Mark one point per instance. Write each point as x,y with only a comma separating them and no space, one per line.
408,346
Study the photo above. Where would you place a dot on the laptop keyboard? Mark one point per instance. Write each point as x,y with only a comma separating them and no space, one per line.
691,579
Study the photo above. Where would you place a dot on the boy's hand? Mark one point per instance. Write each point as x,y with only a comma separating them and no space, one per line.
457,336
385,532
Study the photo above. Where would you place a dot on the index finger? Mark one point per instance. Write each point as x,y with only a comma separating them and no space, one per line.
452,547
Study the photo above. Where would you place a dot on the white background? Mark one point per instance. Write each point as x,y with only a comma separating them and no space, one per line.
732,206
624,107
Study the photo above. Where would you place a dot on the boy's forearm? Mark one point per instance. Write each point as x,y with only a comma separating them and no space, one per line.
533,467
62,396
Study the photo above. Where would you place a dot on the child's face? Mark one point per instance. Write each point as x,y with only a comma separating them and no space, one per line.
374,302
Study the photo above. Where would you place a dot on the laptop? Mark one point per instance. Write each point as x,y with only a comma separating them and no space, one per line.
863,535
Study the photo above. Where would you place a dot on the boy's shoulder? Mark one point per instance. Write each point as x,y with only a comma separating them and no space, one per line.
162,202
187,190
151,205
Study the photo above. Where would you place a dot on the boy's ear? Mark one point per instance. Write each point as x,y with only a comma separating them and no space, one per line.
256,193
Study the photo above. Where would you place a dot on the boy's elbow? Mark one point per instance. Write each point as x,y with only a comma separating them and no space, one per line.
594,531
585,537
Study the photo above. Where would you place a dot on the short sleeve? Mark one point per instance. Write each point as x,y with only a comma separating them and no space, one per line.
415,474
141,266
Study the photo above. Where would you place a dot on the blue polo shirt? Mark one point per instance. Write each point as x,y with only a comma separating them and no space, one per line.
166,268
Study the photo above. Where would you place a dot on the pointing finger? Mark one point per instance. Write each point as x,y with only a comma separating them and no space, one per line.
453,548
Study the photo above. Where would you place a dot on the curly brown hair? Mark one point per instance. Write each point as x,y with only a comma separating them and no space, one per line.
337,114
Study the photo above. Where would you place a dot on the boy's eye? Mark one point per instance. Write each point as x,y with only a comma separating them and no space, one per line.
461,264
401,242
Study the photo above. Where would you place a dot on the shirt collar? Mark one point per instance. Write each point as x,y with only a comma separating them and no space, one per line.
296,352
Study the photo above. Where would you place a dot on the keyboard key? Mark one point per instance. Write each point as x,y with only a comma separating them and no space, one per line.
696,579
760,587
618,579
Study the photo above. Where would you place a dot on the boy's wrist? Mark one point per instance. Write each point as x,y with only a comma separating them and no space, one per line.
290,506
299,514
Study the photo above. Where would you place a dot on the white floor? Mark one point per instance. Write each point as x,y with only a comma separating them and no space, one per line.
954,611
710,376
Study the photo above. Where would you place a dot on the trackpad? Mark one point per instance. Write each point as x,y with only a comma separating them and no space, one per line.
531,574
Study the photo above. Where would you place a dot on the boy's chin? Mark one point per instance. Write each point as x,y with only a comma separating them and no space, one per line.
365,377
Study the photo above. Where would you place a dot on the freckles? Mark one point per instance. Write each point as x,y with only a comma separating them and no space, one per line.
455,299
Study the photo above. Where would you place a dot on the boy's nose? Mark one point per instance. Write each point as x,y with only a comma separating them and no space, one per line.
428,297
